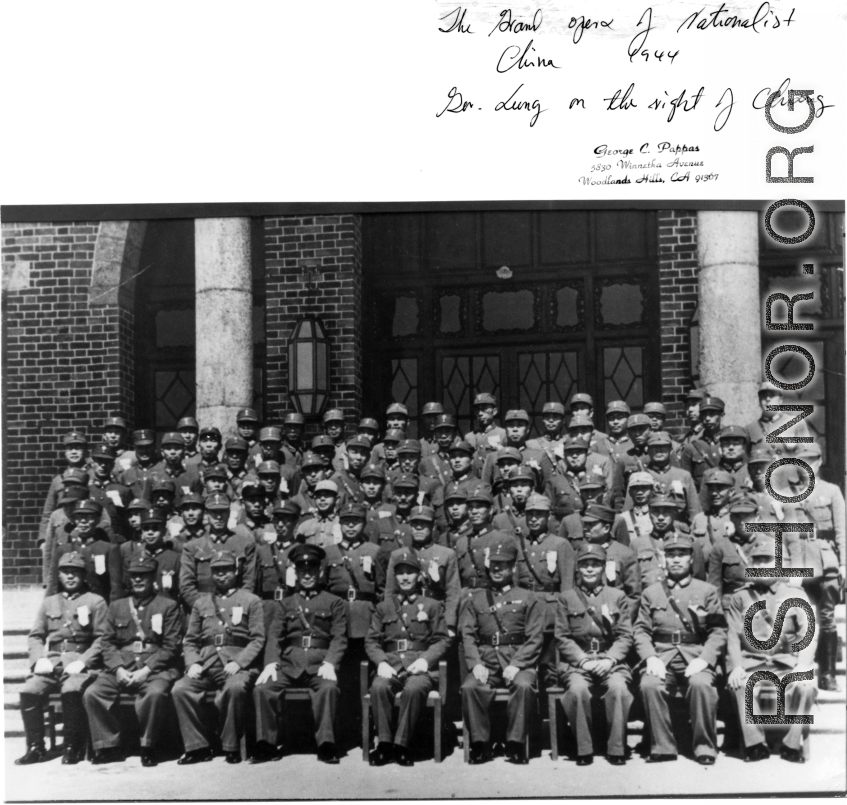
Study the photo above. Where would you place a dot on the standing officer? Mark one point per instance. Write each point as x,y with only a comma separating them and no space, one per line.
112,496
676,481
428,443
406,639
75,446
519,485
474,547
703,451
594,635
226,632
141,651
210,442
349,479
502,634
247,423
582,406
322,528
692,410
456,515
680,634
305,646
825,508
293,425
189,429
438,464
139,475
744,659
64,646
115,432
186,479
713,522
152,547
769,421
617,439
274,571
517,429
634,521
333,426
546,566
486,436
553,420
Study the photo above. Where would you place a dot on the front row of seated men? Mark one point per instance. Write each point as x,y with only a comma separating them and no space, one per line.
93,654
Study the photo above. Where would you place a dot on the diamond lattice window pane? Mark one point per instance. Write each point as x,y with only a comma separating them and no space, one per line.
622,369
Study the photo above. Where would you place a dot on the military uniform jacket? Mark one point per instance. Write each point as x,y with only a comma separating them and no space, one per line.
699,454
229,627
430,490
349,488
318,618
255,529
293,454
151,636
779,658
439,577
472,556
650,553
521,617
510,519
825,508
167,568
534,459
658,621
68,628
546,566
139,479
614,447
450,535
378,509
622,572
708,528
187,479
273,571
758,431
103,570
739,474
417,619
491,439
579,615
428,446
727,562
195,573
390,532
437,466
680,487
552,446
352,576
114,498
632,523
627,463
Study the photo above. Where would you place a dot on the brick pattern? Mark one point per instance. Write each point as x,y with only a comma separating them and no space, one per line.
334,245
678,277
63,369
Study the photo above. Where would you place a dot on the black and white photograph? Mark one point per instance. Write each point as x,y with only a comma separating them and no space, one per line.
423,401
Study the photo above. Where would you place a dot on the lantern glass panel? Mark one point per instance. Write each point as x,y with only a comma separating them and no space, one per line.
305,365
322,375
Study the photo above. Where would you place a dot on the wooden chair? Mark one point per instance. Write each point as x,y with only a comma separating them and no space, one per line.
435,700
500,695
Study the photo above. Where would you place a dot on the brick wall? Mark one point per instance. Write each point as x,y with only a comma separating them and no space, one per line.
64,366
333,246
678,274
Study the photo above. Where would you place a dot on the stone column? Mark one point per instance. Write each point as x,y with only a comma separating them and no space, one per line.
224,311
730,327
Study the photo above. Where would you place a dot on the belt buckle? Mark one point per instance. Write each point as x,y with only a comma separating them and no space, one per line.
138,647
219,640
402,645
495,639
676,638
306,641
594,645
63,646
351,593
278,593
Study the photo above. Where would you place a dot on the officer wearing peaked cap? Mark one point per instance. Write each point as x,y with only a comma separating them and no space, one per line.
676,481
349,479
407,637
322,527
191,511
141,649
580,464
680,635
691,401
713,522
594,635
745,658
635,459
455,510
374,492
226,633
437,464
152,546
634,521
485,435
186,479
440,570
751,481
274,570
103,488
553,422
306,642
519,485
248,425
138,476
502,630
195,575
617,440
189,429
471,547
770,421
702,451
393,530
517,429
431,411
293,426
115,431
333,426
64,647
430,490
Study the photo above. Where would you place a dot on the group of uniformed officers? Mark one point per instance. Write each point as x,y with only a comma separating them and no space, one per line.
215,575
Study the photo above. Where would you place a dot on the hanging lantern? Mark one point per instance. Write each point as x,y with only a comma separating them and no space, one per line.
308,366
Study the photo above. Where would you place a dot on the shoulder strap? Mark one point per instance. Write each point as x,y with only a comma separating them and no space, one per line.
599,621
493,610
527,561
685,622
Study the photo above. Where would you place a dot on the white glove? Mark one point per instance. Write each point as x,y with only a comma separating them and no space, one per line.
655,667
385,671
327,671
43,666
419,666
267,675
76,667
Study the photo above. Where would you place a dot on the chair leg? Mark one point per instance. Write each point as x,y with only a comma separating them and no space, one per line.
366,728
552,708
437,731
51,724
466,741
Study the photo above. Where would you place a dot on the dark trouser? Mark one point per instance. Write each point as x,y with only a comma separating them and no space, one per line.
267,698
825,594
33,694
415,689
799,698
549,661
576,702
477,699
349,700
232,701
151,698
702,697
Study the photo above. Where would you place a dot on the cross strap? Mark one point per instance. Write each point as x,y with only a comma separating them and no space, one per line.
527,562
685,622
592,614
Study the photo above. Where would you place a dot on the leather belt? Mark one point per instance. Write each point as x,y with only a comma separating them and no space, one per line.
221,640
63,646
508,639
592,645
308,641
676,638
477,583
405,645
357,595
276,595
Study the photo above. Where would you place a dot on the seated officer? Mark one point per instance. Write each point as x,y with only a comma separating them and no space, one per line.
440,577
274,573
226,632
195,575
406,639
546,565
141,651
305,646
502,634
64,646
152,546
680,634
594,635
744,659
